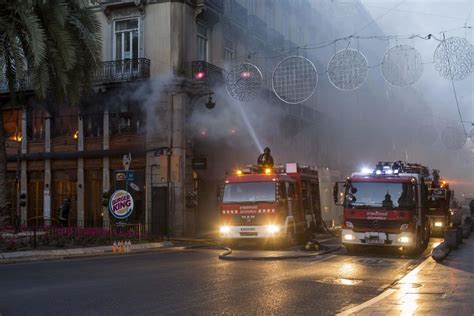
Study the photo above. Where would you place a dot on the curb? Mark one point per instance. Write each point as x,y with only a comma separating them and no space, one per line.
58,254
226,255
356,309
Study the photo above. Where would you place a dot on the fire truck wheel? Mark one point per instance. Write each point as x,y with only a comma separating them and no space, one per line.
291,238
416,249
351,249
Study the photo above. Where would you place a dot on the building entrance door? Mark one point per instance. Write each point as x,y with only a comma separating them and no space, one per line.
159,211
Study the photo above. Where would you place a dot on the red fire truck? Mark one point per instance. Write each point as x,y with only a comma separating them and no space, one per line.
386,206
439,205
270,203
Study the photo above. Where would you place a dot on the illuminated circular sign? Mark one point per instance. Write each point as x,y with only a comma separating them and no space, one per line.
121,204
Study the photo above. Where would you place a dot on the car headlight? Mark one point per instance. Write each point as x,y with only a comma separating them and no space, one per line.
224,229
404,239
438,224
348,237
273,229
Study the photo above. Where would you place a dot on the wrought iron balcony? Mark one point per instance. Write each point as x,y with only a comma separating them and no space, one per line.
122,70
208,73
107,72
276,39
258,27
217,5
237,13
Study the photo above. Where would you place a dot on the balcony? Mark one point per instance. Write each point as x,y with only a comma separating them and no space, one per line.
207,73
122,70
107,72
258,27
237,13
275,39
216,5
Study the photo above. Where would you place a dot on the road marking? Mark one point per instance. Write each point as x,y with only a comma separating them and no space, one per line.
407,278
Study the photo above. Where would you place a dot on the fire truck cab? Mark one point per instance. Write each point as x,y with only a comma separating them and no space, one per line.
386,206
274,203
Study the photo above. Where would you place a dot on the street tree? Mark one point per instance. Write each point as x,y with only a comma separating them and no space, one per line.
52,47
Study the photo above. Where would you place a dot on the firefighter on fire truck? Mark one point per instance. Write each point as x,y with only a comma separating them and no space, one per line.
265,160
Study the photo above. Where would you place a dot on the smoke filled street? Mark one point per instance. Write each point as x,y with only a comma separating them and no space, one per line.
184,282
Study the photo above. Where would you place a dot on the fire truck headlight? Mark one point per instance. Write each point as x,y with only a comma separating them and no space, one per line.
224,229
268,170
348,237
438,224
273,229
404,239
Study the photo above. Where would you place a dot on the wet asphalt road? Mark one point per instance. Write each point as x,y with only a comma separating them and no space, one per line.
197,282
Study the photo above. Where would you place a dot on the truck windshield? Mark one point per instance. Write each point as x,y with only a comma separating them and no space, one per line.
380,195
249,192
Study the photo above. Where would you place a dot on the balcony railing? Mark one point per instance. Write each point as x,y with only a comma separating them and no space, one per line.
237,13
107,72
258,27
122,70
206,72
217,5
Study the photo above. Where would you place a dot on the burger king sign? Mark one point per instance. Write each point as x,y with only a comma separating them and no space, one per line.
121,204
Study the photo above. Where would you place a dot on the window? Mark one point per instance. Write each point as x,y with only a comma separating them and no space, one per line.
126,39
12,124
35,124
249,192
381,195
229,52
202,42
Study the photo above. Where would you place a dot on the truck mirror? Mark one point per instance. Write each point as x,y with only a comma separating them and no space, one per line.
353,190
338,193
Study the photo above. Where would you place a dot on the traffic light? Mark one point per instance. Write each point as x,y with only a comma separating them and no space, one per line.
105,199
23,199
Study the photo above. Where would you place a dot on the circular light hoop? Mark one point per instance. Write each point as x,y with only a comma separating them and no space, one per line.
453,137
347,69
244,81
402,66
294,79
453,58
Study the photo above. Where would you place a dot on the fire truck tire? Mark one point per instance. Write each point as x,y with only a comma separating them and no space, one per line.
291,237
351,249
416,249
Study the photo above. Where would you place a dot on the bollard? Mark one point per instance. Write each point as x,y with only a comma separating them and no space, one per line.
440,252
459,234
468,222
450,238
466,230
114,247
121,246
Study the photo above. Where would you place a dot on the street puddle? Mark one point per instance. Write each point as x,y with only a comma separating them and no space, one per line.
340,281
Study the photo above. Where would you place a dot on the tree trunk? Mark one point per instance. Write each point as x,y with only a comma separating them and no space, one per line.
5,206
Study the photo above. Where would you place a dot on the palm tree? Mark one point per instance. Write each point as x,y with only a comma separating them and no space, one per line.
54,46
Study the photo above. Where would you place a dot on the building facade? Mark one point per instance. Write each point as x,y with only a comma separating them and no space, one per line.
162,60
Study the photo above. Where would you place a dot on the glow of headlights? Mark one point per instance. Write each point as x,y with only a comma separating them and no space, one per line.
348,237
404,239
273,229
438,224
224,229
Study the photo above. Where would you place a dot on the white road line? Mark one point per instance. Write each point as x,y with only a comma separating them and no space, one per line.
387,293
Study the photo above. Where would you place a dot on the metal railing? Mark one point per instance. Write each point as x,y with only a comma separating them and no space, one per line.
207,72
32,237
107,72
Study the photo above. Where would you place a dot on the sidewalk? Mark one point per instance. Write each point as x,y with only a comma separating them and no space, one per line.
23,256
430,289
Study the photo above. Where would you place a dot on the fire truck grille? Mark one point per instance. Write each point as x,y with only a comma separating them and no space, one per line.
376,224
